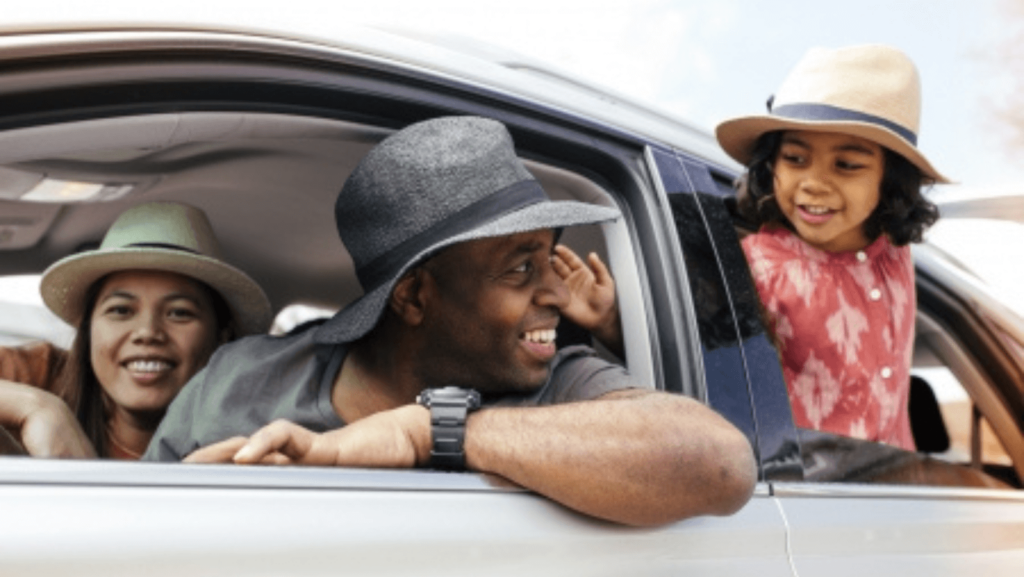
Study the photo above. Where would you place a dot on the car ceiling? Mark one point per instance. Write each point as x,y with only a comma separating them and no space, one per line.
268,182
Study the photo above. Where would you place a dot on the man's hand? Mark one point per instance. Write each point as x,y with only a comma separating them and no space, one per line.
399,438
592,304
44,423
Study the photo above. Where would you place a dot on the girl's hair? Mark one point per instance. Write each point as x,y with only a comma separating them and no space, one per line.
903,212
78,384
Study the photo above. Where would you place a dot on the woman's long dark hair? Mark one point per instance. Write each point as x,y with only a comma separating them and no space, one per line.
78,385
903,212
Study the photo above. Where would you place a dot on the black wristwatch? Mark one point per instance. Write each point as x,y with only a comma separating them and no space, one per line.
449,408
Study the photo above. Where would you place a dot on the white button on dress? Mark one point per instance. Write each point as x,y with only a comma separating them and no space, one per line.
862,256
886,372
875,294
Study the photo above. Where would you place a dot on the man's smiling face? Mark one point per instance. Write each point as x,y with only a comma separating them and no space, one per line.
490,319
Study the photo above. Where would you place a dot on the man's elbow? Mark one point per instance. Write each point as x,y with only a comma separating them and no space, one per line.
736,475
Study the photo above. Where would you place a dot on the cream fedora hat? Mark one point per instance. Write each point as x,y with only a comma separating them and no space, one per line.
871,91
162,236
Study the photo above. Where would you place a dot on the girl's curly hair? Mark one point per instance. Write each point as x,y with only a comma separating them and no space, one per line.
903,212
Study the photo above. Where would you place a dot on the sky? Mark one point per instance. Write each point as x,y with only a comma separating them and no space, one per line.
701,60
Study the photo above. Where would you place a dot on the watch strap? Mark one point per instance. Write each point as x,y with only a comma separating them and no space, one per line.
449,409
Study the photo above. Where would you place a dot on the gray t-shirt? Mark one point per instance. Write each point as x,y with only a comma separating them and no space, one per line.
256,380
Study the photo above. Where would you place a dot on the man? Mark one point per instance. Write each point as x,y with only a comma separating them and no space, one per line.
453,241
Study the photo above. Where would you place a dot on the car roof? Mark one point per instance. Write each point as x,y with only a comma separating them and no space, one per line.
464,60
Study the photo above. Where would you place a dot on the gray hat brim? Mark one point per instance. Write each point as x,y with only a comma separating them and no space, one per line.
361,315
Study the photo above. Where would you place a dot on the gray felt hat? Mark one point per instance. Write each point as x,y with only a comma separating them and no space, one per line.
432,185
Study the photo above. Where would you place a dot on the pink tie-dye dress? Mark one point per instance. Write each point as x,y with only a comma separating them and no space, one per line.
844,324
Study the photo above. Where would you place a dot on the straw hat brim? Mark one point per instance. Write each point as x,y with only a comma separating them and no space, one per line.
361,316
738,137
65,283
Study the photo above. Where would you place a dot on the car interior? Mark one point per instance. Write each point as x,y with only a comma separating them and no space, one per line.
268,182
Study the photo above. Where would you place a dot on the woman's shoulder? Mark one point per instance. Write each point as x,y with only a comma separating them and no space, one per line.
36,364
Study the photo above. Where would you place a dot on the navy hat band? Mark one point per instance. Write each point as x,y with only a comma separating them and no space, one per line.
513,197
828,113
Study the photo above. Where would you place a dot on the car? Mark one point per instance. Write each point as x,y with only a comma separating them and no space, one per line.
260,129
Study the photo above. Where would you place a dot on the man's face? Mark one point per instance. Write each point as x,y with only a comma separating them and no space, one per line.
489,322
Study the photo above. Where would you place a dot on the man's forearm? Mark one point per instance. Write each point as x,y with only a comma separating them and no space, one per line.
635,457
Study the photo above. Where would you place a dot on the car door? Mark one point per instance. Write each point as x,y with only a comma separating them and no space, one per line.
179,96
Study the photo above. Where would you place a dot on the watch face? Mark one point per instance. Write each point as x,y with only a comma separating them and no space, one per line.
450,394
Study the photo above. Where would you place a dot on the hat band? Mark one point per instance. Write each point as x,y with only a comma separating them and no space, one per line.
513,197
826,112
162,245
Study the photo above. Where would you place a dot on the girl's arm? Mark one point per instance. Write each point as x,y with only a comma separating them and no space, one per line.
592,288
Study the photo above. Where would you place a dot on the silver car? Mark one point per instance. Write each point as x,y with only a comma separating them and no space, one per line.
261,130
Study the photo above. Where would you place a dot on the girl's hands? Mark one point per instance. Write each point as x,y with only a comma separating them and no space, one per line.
592,305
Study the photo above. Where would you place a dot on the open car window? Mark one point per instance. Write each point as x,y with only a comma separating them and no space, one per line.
268,183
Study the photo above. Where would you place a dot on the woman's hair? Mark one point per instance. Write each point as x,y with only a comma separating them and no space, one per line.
903,212
78,384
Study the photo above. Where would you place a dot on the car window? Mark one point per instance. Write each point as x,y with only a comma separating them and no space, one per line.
24,318
297,314
938,374
958,416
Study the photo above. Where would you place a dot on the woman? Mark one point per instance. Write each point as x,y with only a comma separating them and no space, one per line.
151,305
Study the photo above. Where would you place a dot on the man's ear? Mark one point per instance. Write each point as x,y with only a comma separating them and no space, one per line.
408,298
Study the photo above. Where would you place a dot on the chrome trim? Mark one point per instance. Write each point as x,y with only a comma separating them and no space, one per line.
762,489
36,472
852,490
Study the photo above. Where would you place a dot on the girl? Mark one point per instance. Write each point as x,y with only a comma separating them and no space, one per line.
834,182
151,305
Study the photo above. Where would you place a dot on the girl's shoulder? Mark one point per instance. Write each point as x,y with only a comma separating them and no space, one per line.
777,245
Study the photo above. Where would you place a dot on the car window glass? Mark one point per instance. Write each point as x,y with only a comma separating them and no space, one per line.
297,314
24,318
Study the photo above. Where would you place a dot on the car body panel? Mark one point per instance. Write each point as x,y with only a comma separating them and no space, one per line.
927,531
160,519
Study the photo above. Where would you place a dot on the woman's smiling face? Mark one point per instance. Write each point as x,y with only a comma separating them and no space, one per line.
827,184
150,332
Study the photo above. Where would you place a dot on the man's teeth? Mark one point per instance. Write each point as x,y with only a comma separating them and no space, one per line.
149,366
816,209
544,336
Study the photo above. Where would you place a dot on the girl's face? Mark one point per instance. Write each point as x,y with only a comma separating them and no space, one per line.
151,331
827,184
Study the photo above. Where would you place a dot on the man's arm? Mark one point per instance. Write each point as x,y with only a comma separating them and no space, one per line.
636,457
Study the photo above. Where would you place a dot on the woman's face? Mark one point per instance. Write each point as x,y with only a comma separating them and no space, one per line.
151,331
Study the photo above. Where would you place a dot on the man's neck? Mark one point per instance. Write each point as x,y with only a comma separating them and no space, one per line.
370,381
